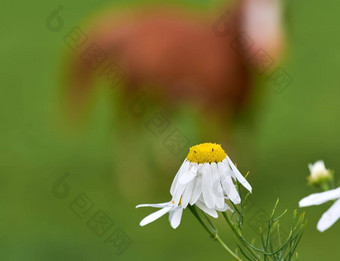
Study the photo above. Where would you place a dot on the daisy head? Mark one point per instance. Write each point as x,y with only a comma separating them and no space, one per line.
319,174
205,179
207,174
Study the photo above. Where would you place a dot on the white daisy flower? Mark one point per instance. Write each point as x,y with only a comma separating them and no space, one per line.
332,214
318,173
204,179
208,172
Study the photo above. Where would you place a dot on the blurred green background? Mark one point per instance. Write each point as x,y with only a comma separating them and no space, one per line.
287,131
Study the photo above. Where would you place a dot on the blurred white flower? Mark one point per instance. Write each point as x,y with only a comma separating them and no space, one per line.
318,173
332,214
204,179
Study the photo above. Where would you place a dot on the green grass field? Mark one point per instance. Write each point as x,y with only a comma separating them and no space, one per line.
291,129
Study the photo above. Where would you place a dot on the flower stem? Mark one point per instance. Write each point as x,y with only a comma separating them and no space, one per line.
325,186
227,248
213,233
238,235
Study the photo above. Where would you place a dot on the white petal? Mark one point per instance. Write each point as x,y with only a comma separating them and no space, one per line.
197,190
319,198
317,167
207,184
226,168
187,194
175,217
152,217
157,205
329,217
184,167
217,188
224,208
239,176
179,188
188,176
229,187
178,194
210,211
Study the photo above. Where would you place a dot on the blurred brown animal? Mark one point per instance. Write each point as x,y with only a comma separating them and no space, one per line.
179,57
184,57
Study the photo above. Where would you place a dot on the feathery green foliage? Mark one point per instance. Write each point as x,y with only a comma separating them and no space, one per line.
272,245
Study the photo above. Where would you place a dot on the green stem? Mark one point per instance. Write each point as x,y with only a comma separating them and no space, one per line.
325,186
227,248
238,235
213,234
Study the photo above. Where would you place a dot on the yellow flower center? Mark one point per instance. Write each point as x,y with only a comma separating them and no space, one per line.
206,153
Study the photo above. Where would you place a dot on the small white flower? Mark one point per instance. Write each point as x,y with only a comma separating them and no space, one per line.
332,214
204,179
318,168
318,173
